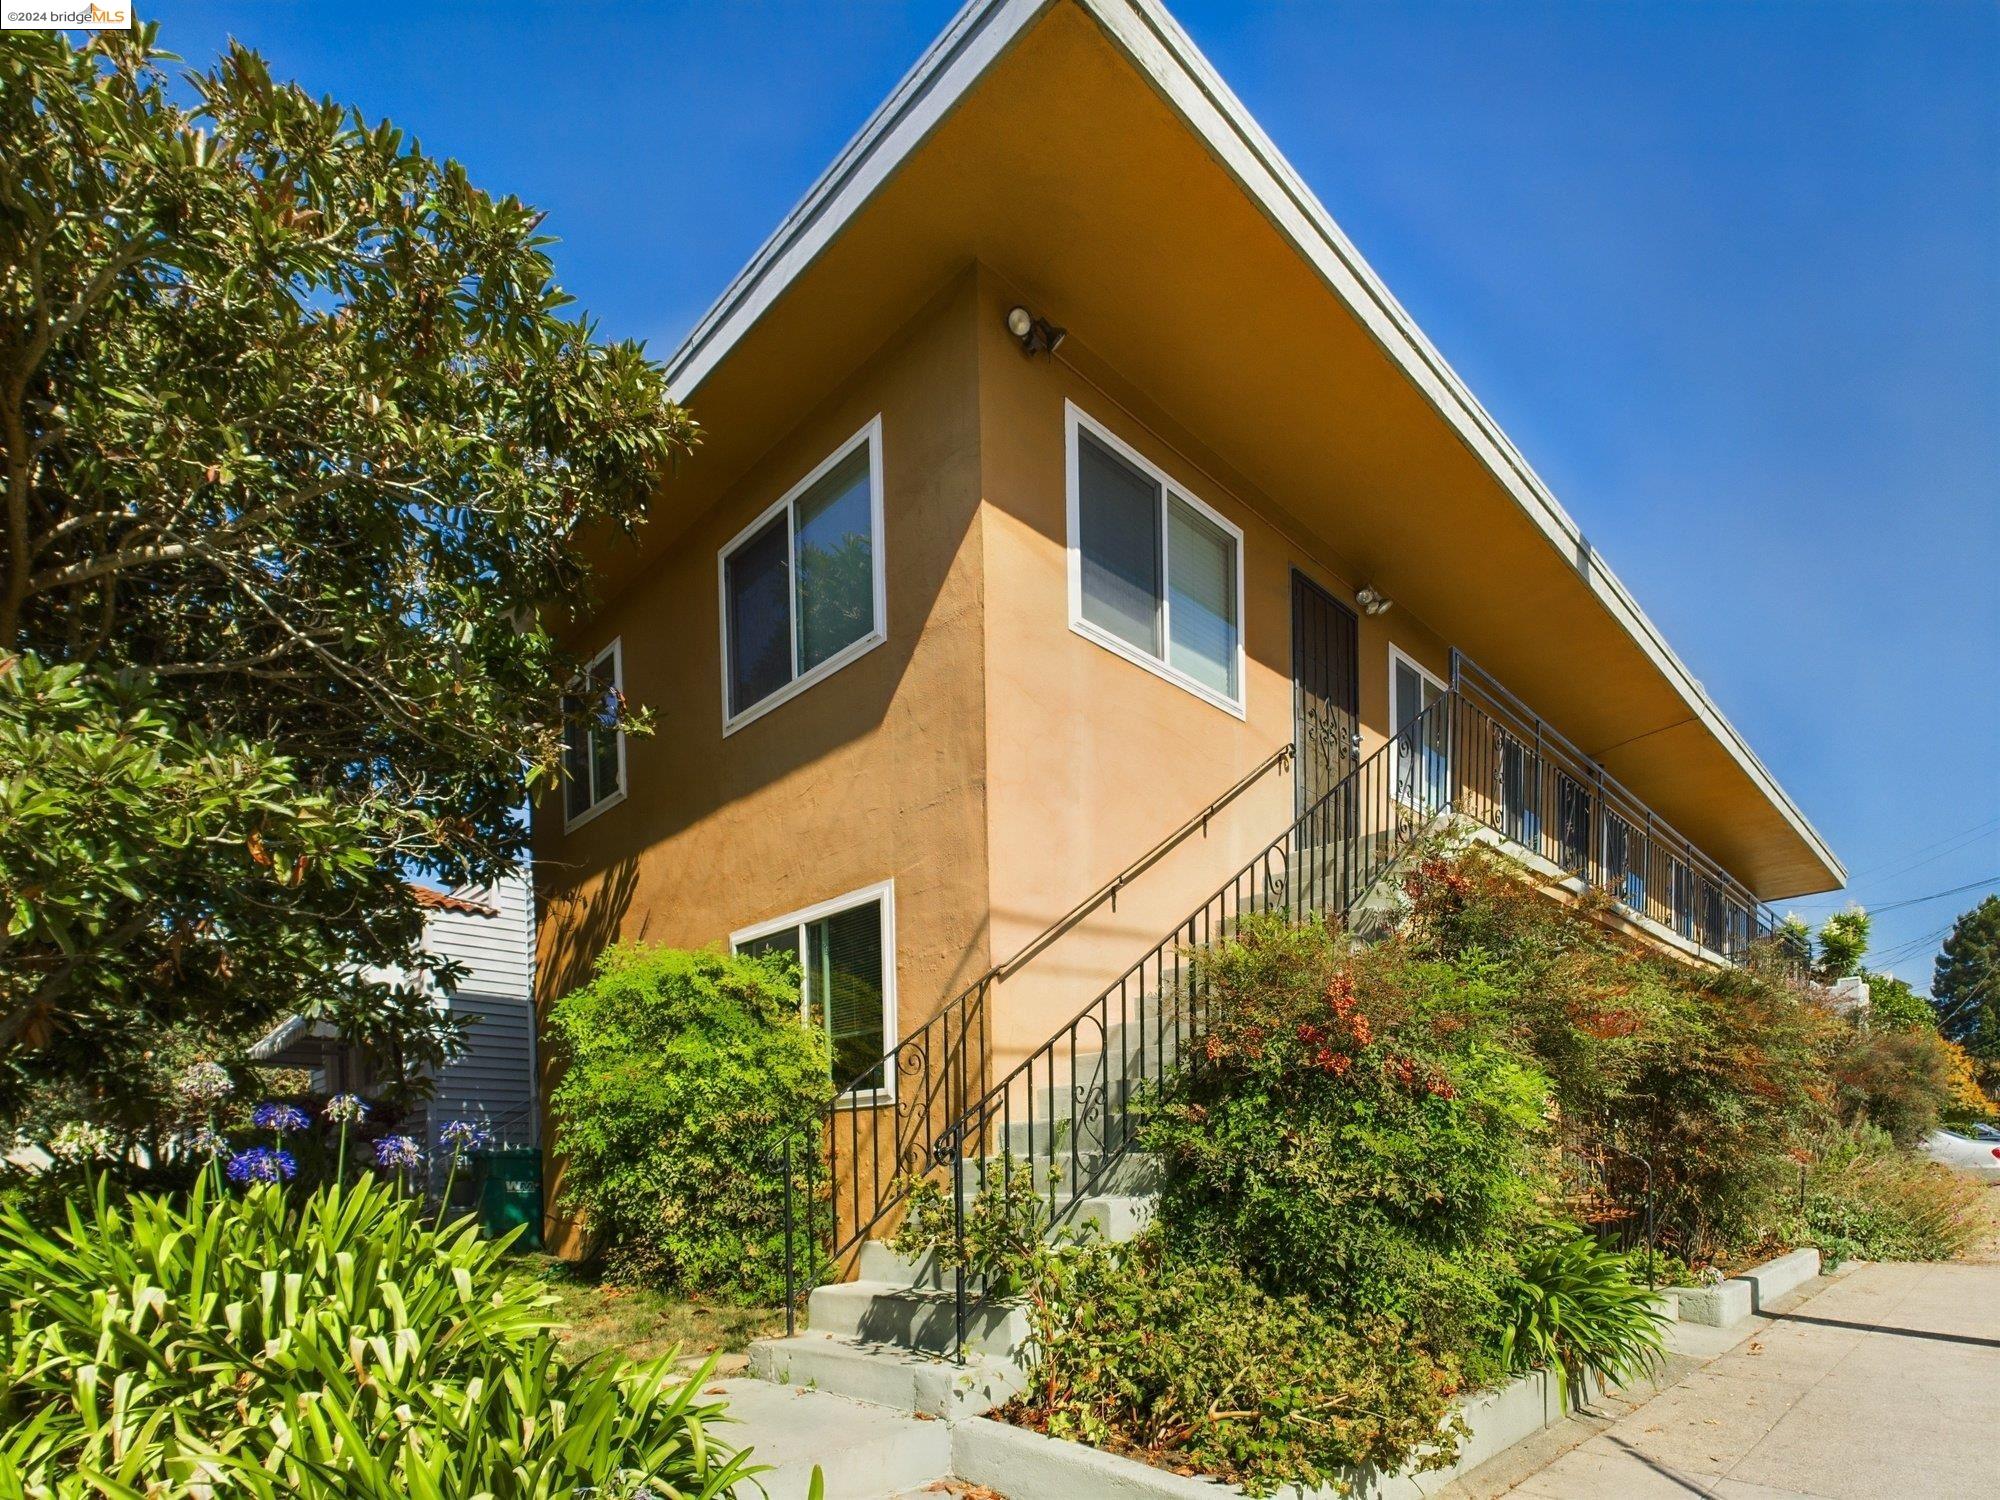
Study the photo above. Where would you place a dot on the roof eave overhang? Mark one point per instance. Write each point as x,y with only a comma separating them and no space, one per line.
1163,53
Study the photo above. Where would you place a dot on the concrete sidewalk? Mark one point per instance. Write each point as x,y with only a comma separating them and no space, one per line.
1884,1382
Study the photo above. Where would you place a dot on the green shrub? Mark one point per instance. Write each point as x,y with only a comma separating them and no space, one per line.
1867,1200
1581,1311
1893,1005
683,1076
1005,1226
1354,1131
1898,1081
1193,1365
1696,1086
331,1345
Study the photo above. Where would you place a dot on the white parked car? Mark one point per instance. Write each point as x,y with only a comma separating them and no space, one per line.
1974,1148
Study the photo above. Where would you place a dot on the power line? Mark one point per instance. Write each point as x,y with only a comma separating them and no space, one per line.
1911,947
1896,859
1945,847
1985,883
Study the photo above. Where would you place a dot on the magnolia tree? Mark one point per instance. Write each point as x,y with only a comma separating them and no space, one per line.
294,430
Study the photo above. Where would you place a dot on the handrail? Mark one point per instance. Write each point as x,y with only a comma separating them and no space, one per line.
936,1062
1326,863
1063,925
1468,674
1538,791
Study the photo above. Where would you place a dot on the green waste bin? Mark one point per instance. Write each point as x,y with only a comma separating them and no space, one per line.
510,1193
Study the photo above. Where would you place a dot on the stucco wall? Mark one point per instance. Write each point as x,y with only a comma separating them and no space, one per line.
991,761
1091,758
874,773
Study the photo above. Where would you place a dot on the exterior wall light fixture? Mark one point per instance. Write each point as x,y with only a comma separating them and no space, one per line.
1373,601
1037,335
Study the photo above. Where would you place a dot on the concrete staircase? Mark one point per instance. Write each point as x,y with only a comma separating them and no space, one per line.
886,1337
868,1389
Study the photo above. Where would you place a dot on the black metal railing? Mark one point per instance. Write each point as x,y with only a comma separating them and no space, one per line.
1071,1110
1518,777
849,1166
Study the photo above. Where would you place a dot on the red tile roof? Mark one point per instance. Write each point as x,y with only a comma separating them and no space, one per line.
445,901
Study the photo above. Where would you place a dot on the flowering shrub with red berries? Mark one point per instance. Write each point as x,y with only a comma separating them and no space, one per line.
1399,1171
1351,1131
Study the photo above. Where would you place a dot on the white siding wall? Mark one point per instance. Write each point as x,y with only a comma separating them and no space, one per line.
493,1079
498,952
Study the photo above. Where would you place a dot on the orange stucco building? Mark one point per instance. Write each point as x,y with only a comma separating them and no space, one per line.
944,627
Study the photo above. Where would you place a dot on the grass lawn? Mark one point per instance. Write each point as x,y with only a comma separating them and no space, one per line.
642,1323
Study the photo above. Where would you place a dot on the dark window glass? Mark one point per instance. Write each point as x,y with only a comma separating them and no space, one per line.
1118,535
591,740
784,941
758,587
576,761
836,561
844,981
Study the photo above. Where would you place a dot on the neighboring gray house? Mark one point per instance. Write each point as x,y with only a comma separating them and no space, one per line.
491,932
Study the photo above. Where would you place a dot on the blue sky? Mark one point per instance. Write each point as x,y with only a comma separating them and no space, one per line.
1728,275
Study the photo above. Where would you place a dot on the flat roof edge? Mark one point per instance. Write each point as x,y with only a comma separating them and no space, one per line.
1162,50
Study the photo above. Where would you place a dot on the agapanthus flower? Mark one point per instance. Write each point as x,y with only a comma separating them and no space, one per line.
79,1141
346,1109
279,1117
262,1164
204,1083
461,1136
208,1141
398,1151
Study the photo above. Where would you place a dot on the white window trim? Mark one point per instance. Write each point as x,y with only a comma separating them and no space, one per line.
871,434
1075,420
885,892
616,651
1398,656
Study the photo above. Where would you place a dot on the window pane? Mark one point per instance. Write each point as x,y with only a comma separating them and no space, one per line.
1118,533
844,990
836,566
1201,569
760,626
1409,698
784,940
604,738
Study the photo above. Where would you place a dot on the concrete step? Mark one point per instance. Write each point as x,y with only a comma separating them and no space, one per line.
1083,1171
912,1317
886,1376
1117,1216
864,1451
881,1264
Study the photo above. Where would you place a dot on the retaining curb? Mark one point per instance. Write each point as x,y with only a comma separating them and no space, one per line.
1729,1302
1016,1461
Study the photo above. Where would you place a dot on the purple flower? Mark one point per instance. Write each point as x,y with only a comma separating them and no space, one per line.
262,1164
346,1109
461,1136
399,1152
279,1117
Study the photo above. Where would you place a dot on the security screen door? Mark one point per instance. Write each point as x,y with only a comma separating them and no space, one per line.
1325,691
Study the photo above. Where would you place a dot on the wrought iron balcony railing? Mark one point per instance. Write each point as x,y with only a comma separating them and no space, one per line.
1070,1108
1513,774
